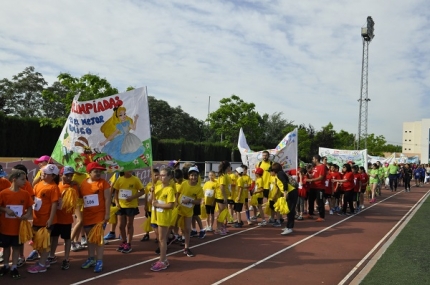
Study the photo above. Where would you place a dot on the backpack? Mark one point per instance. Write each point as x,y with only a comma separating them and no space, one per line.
293,182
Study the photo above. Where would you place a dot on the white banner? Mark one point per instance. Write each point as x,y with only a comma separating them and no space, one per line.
342,156
114,131
285,152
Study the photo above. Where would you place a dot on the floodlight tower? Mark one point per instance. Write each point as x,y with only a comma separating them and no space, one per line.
367,35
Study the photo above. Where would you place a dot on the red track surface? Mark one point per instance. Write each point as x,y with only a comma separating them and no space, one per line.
316,253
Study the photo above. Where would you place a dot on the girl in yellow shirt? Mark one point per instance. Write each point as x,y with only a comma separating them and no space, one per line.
221,193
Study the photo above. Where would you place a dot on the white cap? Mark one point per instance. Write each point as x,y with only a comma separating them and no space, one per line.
50,169
193,168
239,170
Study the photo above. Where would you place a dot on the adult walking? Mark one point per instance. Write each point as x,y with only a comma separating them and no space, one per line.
291,195
393,170
317,188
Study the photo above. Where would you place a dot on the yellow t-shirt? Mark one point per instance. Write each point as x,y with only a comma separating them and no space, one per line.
275,187
127,187
79,177
241,189
233,189
259,186
209,191
159,216
188,192
266,175
222,180
148,194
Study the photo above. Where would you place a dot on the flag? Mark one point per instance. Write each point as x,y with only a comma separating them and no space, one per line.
113,131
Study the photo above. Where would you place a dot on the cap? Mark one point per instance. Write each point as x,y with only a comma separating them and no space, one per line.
351,162
193,168
173,163
50,169
239,170
94,165
67,170
46,158
259,171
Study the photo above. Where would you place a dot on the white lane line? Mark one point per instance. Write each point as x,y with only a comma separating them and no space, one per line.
297,243
405,219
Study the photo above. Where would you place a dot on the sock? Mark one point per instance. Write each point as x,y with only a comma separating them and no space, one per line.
247,214
13,267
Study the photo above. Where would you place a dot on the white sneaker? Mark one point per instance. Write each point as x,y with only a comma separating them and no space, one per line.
331,212
287,231
263,223
84,241
362,206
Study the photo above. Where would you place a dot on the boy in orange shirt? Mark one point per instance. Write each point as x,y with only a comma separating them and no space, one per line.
15,205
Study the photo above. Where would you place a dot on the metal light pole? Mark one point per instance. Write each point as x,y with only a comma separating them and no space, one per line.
367,35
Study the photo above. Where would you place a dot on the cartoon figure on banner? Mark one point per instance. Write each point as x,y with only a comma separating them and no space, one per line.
120,143
66,148
88,155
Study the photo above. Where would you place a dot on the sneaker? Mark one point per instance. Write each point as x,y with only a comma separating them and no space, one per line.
188,252
73,247
110,235
88,263
193,233
65,264
98,266
21,261
209,229
331,212
319,220
158,266
79,246
145,237
33,256
15,274
52,259
222,232
287,231
84,241
263,223
121,246
271,222
36,268
258,215
341,214
126,248
171,240
362,207
202,234
300,218
230,221
254,218
4,270
237,225
277,224
47,264
348,214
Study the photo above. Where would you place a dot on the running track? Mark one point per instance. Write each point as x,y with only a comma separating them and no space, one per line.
332,252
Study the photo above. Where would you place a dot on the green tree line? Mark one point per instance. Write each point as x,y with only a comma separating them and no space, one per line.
28,95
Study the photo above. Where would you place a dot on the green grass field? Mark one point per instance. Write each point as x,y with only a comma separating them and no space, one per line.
407,259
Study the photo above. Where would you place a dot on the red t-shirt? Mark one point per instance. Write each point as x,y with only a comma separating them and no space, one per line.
348,185
364,180
357,180
319,171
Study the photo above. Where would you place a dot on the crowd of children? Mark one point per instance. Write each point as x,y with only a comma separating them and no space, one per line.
173,203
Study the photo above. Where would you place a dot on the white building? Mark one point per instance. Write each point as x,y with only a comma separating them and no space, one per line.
415,139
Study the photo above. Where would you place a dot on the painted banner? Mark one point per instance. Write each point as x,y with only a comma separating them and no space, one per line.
114,131
285,152
342,156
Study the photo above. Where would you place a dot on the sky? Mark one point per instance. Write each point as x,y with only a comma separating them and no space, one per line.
301,58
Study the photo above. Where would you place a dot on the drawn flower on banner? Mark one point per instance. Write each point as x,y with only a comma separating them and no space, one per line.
136,162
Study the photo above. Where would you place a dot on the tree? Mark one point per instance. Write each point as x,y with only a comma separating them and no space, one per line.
21,96
344,140
272,129
375,145
88,87
233,114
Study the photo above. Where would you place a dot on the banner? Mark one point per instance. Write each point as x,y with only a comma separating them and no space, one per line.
114,131
285,152
341,156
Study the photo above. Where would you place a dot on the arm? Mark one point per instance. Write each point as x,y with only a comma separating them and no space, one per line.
133,125
28,215
52,214
137,195
107,196
110,137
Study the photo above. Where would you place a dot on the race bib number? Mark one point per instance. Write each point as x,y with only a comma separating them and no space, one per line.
355,181
326,183
37,204
91,200
209,193
229,188
124,194
188,205
17,209
271,187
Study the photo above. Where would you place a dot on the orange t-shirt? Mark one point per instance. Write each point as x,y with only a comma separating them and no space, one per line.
94,201
19,202
27,187
4,183
45,194
63,217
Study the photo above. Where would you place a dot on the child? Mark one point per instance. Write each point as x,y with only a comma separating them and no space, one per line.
78,238
96,194
259,172
274,194
232,195
162,199
303,192
222,193
63,227
364,182
15,205
128,189
44,211
191,194
357,188
246,186
147,206
111,234
209,191
240,197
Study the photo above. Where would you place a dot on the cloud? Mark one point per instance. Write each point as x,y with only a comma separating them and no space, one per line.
302,58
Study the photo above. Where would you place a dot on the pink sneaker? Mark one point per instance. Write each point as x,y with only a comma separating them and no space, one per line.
158,266
36,268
